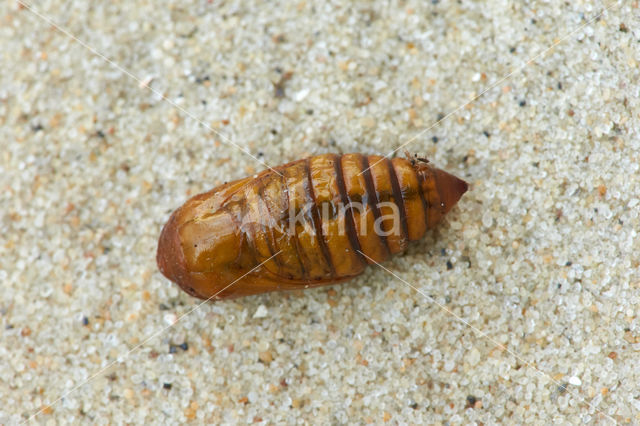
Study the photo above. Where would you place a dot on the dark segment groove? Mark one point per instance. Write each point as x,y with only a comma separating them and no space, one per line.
349,225
296,242
435,183
397,196
317,223
373,197
425,204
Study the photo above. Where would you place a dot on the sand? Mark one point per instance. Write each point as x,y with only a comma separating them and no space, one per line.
521,307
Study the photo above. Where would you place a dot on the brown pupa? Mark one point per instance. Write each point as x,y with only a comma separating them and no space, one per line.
308,223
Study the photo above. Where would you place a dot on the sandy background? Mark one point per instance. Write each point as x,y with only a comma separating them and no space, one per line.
537,267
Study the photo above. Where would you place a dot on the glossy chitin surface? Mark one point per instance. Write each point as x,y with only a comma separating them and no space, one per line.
319,221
